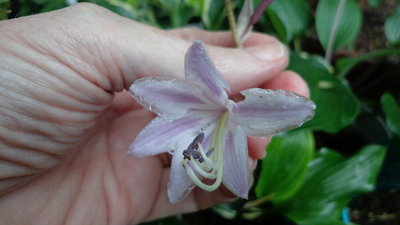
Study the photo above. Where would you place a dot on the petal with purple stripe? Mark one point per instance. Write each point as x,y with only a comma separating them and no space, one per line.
163,134
179,184
169,97
244,26
200,68
236,174
267,112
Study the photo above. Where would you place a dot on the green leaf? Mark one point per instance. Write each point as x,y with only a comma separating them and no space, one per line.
392,28
392,112
337,107
4,9
374,3
339,27
344,65
179,13
284,168
332,180
196,5
213,14
290,18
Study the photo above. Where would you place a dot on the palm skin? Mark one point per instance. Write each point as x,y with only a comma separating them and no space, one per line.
66,122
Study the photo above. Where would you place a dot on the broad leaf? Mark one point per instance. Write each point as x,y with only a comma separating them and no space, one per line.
392,28
290,18
285,166
332,180
338,25
392,112
337,107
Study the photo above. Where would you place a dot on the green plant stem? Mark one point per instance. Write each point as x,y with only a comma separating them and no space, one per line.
232,24
258,202
297,45
357,59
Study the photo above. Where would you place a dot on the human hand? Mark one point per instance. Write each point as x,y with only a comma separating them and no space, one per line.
66,120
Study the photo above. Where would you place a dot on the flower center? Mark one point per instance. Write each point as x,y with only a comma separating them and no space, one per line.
201,164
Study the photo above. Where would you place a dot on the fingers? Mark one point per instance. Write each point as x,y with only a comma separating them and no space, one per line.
111,51
218,38
263,57
257,146
289,81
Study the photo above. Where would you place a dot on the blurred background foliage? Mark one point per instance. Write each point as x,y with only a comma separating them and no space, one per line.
343,166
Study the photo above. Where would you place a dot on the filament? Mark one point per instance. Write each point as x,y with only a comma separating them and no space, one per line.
208,168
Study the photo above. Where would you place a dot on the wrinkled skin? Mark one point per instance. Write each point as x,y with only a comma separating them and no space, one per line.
66,121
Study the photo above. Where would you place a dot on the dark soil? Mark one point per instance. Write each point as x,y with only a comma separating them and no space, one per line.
378,208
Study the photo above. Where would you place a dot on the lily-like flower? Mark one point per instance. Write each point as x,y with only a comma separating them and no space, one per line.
206,131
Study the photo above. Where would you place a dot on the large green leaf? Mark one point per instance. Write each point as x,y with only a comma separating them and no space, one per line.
392,28
290,18
284,168
339,27
337,107
392,112
332,180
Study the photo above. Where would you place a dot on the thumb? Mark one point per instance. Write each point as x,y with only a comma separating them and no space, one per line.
111,51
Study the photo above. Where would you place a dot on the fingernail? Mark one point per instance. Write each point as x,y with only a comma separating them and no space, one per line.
269,51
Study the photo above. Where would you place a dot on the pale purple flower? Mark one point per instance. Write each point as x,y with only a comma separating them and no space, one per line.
205,130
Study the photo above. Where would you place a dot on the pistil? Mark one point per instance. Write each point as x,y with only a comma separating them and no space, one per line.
200,164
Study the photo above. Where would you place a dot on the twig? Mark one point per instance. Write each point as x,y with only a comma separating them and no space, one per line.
232,24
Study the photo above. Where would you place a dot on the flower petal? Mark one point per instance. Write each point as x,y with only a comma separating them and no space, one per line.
267,112
169,97
163,135
179,184
243,25
199,68
236,174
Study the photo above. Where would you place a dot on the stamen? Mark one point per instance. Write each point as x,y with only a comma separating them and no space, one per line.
196,160
210,174
205,157
200,184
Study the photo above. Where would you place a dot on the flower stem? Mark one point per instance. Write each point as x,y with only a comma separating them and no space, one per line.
297,45
258,202
232,24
